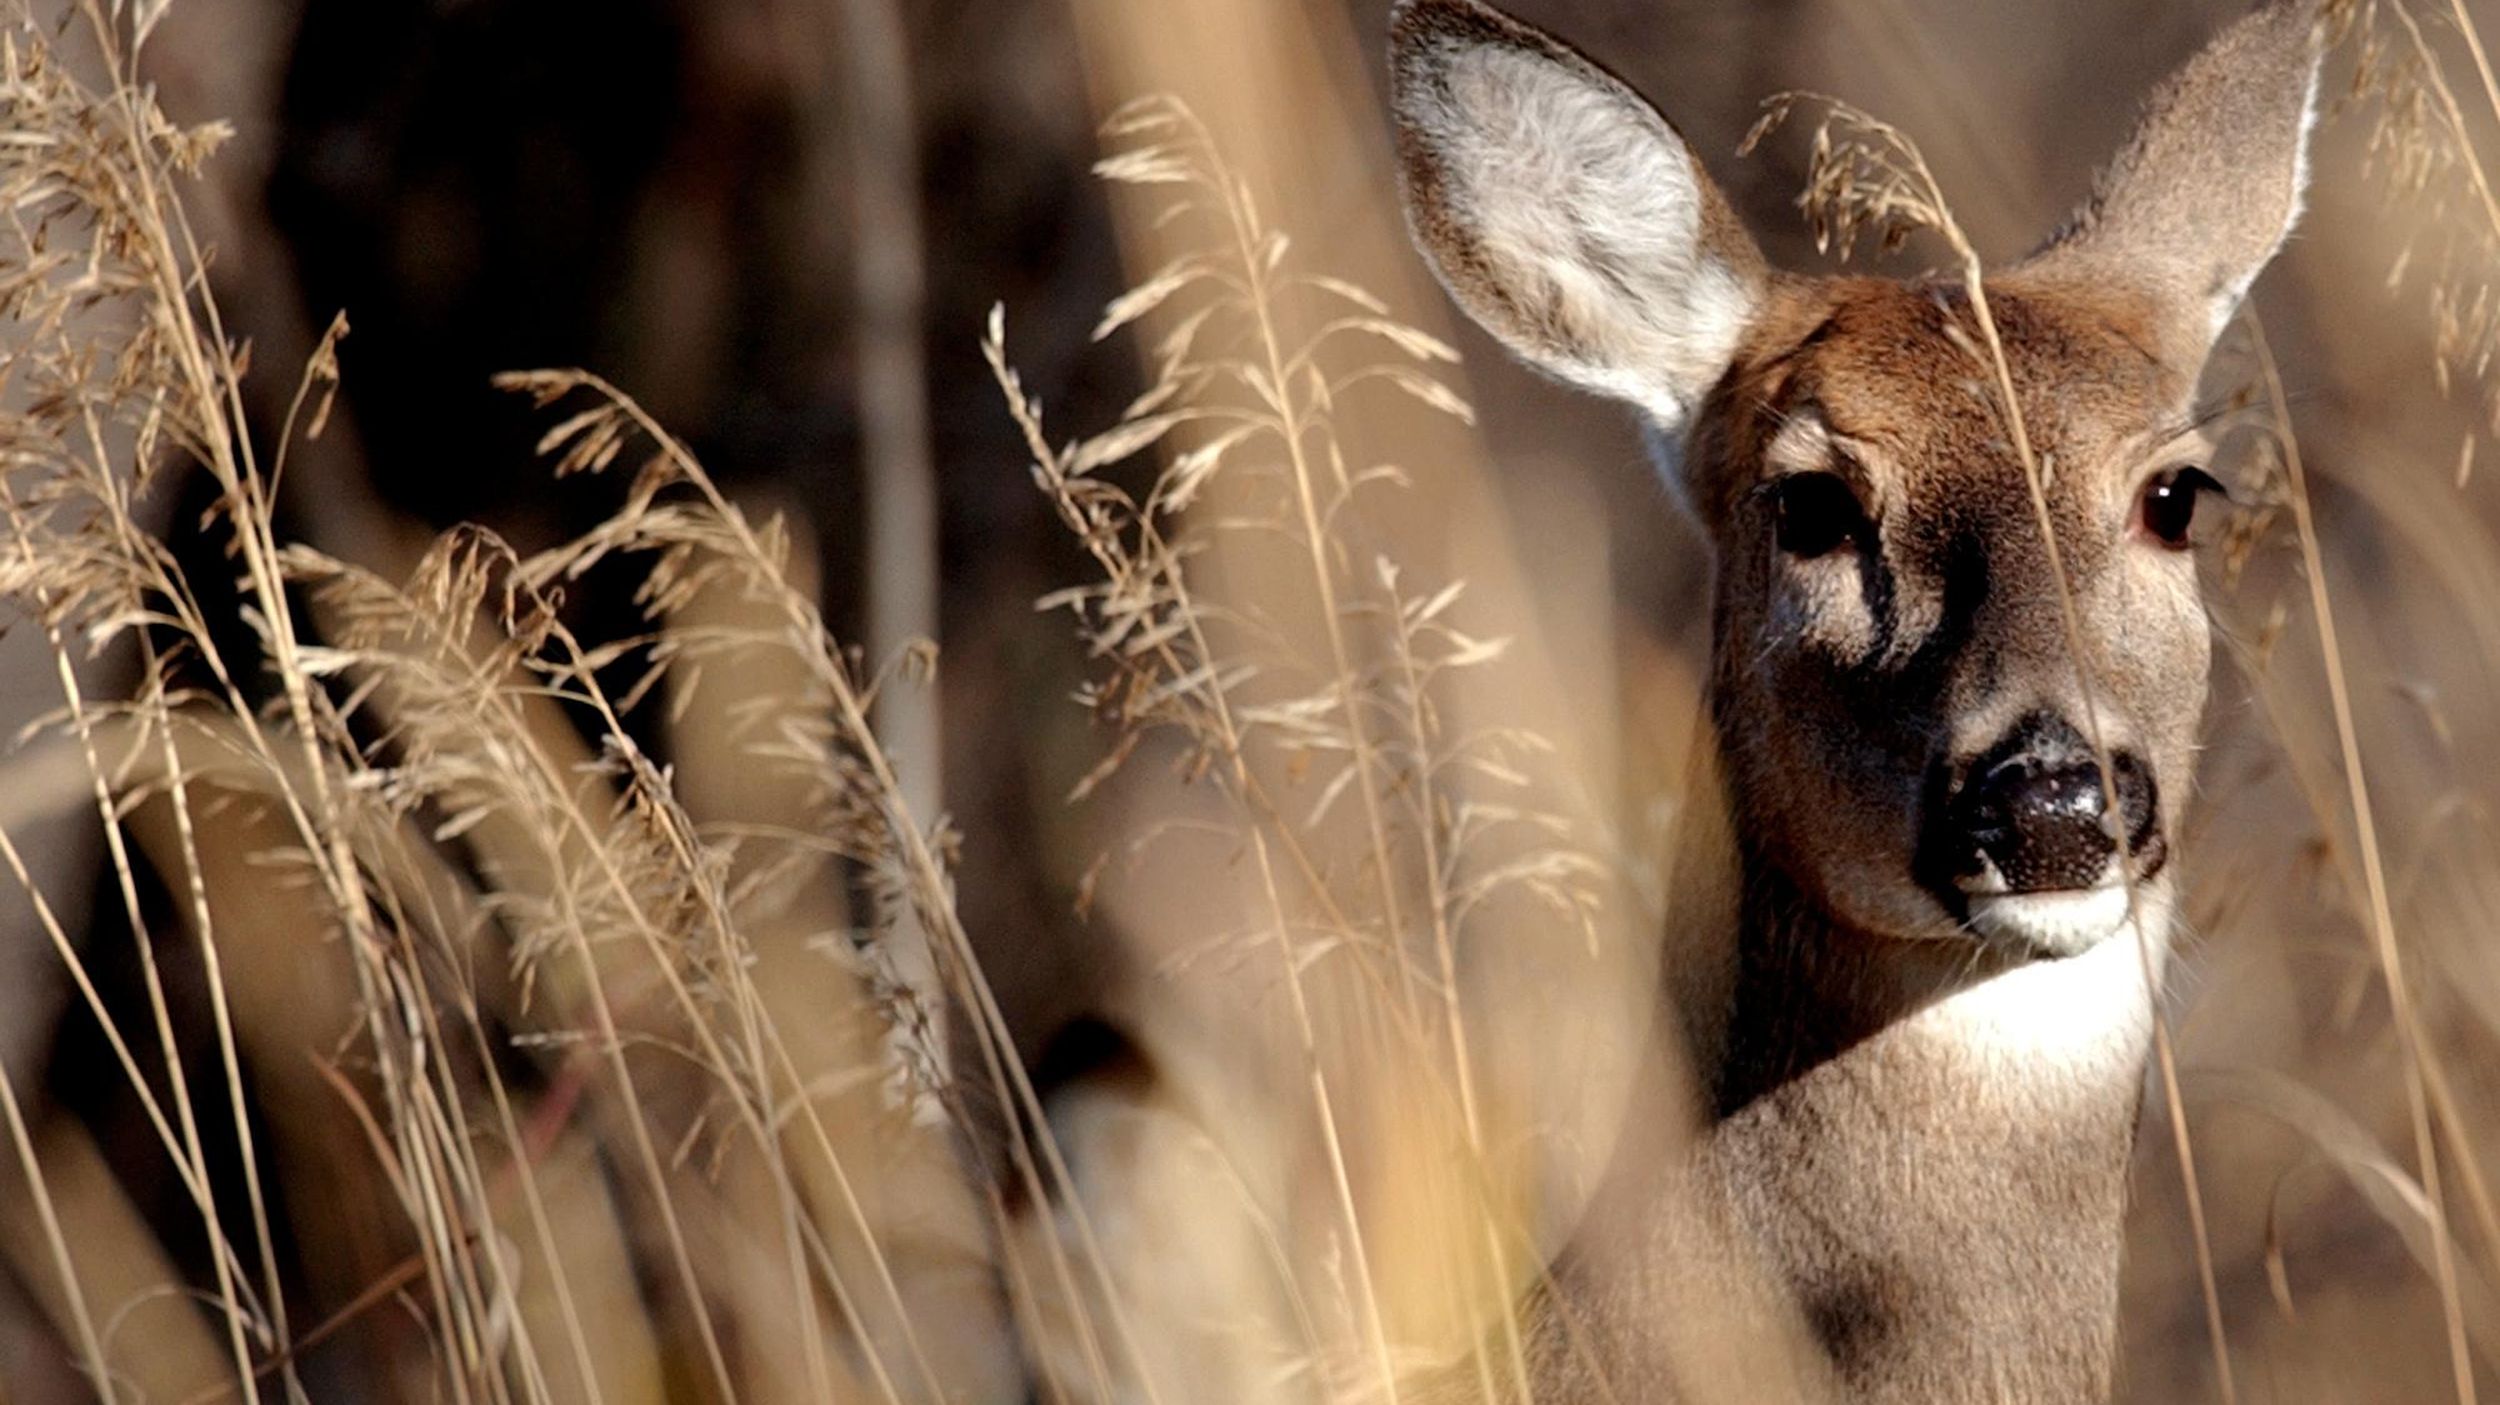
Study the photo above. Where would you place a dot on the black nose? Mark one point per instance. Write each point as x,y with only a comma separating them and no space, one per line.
2034,808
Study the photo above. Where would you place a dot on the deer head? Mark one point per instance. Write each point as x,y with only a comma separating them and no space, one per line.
1906,734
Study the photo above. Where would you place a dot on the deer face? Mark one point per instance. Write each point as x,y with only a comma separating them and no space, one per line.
1908,721
1904,721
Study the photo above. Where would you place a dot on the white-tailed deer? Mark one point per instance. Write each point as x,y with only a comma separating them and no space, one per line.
1929,1042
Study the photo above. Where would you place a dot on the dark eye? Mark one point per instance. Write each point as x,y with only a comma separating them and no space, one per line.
1816,514
2169,508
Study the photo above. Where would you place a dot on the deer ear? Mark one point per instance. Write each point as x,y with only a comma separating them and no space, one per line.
1563,213
2211,184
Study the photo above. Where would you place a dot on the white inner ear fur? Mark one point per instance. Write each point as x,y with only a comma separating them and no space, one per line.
1588,209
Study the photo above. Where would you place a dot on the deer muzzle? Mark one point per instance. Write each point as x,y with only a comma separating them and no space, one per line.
2032,842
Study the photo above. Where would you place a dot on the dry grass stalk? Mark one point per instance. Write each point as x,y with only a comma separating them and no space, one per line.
2422,143
1349,719
1867,177
428,724
2418,1060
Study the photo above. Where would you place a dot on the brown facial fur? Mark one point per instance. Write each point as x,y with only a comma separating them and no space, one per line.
1959,629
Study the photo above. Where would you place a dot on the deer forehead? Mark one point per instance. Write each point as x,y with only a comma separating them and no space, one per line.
1890,383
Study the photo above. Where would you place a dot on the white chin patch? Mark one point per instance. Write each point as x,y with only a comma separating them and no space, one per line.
2060,924
2088,1009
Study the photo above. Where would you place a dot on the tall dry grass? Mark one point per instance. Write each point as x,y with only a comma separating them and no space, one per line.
648,1079
621,1091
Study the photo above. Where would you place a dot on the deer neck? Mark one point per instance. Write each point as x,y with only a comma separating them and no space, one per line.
1926,1143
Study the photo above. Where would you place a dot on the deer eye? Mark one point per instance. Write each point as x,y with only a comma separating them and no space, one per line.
1816,514
2168,511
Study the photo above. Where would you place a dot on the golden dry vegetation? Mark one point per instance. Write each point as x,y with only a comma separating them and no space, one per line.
618,948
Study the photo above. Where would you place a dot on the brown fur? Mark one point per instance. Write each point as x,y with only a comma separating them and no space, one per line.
1920,1144
1827,795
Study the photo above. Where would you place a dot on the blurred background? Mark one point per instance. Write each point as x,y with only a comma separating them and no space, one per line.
781,225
